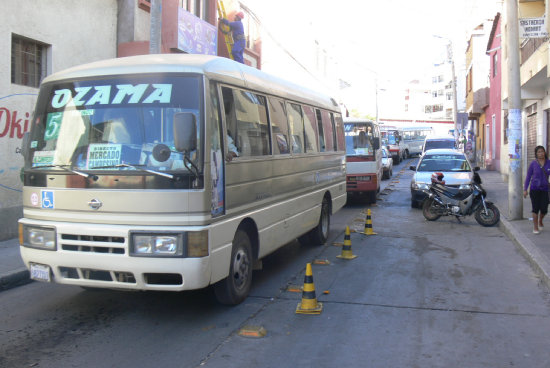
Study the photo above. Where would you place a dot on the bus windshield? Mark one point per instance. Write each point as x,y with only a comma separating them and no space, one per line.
113,124
416,134
390,137
359,139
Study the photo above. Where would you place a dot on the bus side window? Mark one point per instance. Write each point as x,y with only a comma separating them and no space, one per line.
320,130
339,130
279,126
252,129
328,129
230,122
296,125
310,129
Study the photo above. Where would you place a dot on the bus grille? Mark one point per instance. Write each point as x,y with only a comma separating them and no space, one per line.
97,275
93,244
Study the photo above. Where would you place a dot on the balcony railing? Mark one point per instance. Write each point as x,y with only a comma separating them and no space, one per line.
529,47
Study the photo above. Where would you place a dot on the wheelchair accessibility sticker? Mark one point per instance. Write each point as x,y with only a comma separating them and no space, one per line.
47,199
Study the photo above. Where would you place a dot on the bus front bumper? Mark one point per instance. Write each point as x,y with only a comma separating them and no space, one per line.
361,183
98,256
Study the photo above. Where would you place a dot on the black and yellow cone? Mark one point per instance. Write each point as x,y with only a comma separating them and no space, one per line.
368,225
346,248
309,304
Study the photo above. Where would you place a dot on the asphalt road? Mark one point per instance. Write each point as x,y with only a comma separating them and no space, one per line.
419,294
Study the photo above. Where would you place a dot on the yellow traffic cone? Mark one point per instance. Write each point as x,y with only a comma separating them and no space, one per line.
309,304
346,248
368,225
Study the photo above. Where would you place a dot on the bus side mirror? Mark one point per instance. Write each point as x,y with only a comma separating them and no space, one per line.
185,132
376,143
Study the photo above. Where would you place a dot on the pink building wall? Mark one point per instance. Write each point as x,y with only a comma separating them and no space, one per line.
493,141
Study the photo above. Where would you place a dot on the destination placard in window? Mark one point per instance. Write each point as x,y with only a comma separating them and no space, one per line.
101,155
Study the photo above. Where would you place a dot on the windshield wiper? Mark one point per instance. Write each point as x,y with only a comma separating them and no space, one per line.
68,169
136,167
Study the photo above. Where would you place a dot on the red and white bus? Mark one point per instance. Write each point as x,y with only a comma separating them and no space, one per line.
392,137
363,157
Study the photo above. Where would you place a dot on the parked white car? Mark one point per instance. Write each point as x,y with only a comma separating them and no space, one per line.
387,164
454,165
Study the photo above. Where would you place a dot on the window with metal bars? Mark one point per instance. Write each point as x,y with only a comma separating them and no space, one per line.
28,61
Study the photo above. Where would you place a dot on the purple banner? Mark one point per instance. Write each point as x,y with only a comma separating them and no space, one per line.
195,36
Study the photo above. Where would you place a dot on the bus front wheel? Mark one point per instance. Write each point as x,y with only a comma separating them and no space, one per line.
235,287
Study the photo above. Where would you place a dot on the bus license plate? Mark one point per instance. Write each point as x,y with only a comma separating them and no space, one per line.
40,272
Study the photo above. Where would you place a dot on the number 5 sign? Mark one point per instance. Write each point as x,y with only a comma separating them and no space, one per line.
53,124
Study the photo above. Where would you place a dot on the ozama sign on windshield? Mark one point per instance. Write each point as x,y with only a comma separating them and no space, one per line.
113,95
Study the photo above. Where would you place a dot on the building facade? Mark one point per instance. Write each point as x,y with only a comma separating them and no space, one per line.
40,38
535,88
493,126
477,90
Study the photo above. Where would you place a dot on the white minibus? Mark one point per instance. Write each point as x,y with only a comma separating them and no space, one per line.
414,136
175,172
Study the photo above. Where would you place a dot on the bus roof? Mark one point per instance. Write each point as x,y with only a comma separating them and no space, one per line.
389,127
213,67
420,127
358,120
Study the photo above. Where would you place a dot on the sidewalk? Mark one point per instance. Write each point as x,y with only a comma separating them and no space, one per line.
12,269
535,248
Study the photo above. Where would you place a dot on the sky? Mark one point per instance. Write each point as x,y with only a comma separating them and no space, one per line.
375,43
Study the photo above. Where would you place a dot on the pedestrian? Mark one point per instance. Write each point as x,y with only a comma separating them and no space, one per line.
537,181
237,31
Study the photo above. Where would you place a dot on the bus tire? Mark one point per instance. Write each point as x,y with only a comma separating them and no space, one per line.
371,197
235,287
319,234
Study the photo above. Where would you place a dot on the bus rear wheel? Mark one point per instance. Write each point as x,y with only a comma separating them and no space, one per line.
235,287
319,234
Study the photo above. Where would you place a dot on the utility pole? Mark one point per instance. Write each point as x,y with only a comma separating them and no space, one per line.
154,37
515,187
376,84
455,97
455,103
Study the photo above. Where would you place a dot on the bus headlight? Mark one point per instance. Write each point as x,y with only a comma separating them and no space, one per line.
156,245
187,244
39,237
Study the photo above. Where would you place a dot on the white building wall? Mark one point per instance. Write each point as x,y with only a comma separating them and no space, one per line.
78,31
481,60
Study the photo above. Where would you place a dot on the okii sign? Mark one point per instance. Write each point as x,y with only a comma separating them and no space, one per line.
533,28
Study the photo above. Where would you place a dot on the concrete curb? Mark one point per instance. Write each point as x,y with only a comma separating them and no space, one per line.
14,279
538,261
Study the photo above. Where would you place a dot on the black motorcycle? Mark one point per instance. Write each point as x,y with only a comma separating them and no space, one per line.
466,200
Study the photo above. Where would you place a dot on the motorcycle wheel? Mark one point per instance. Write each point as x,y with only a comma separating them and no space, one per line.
429,210
489,218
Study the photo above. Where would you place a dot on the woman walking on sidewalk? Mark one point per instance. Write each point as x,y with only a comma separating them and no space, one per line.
537,175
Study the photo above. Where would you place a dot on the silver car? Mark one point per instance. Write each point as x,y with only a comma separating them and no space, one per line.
452,163
387,164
